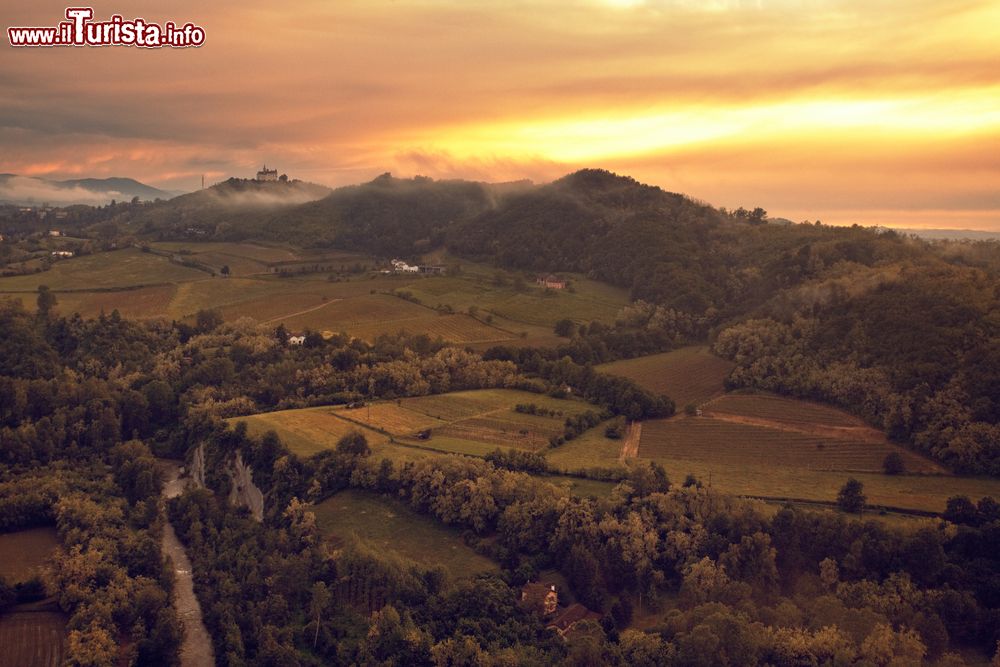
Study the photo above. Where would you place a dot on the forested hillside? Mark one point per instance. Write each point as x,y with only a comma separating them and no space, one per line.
710,579
902,332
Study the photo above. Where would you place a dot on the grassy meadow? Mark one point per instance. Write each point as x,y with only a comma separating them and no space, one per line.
307,431
388,525
23,553
117,269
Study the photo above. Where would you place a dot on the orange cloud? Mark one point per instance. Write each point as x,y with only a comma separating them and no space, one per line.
807,108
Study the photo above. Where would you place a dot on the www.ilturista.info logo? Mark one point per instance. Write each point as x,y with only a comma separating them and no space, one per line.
79,30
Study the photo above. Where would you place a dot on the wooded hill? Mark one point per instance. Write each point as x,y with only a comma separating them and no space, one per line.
901,331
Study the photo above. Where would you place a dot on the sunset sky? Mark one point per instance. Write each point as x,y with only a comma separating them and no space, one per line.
864,111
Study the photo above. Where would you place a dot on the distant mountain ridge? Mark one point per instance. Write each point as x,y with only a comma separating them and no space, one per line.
35,191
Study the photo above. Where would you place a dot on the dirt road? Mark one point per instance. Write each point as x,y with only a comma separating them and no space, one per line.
197,648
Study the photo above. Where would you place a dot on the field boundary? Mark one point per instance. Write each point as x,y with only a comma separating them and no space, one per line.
833,503
97,290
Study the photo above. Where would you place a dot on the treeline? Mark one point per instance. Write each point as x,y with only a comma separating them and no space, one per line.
109,574
619,396
274,594
578,424
70,387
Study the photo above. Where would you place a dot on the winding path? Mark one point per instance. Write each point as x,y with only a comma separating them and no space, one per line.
196,651
289,316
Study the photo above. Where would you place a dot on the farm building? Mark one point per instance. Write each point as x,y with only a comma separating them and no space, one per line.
540,598
551,282
62,253
296,340
433,269
55,232
399,266
564,621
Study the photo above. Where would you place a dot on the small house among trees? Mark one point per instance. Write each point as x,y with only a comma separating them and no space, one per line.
540,598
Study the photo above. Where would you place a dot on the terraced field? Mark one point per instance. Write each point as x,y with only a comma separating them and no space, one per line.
712,440
465,422
468,422
389,526
779,409
688,375
32,639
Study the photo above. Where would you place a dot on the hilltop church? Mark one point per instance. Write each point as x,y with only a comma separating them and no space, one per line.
266,174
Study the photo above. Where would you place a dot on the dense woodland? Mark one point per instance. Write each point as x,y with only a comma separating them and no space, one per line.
903,333
744,586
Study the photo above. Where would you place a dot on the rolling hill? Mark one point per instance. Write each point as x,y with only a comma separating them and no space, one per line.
33,191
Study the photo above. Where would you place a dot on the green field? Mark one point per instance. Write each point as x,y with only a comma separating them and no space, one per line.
782,410
24,552
121,268
243,259
387,525
133,303
476,286
464,422
390,417
32,639
589,450
473,422
688,375
148,284
733,443
459,329
580,487
750,460
308,430
919,492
